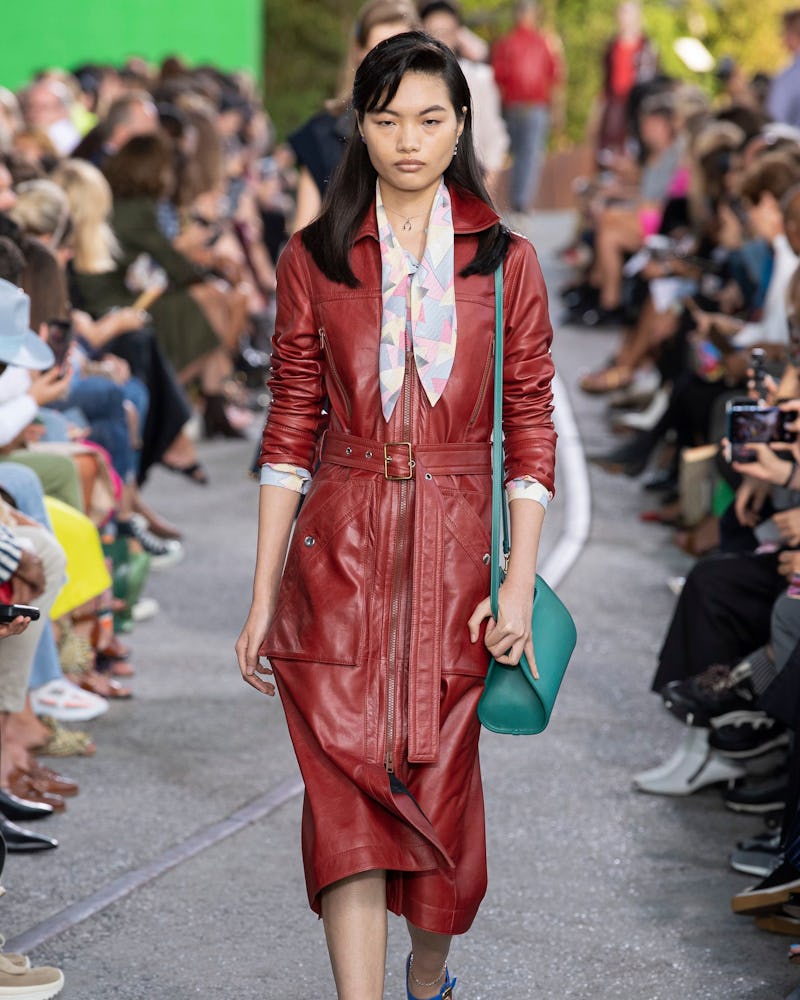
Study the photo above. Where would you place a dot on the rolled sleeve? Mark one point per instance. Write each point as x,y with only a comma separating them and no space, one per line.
288,477
528,488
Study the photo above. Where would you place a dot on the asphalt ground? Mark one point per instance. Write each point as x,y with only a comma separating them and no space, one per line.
179,871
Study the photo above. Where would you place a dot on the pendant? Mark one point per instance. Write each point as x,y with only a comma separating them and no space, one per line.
407,226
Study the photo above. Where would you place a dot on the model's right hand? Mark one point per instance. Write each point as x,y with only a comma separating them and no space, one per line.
247,651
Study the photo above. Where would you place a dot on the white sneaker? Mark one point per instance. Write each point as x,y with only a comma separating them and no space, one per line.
144,609
20,983
649,417
66,702
693,741
695,772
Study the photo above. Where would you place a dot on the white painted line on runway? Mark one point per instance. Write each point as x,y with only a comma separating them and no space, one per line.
576,492
114,891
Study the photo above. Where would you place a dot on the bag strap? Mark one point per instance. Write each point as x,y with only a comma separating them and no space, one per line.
499,511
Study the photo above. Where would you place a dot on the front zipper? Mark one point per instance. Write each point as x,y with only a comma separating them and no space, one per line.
326,348
484,383
400,549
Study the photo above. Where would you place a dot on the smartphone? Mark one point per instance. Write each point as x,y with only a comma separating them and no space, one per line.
8,612
749,424
59,337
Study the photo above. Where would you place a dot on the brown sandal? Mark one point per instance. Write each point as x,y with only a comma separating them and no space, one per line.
607,380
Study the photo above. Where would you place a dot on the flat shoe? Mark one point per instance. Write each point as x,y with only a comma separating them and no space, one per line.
195,472
51,781
25,788
21,841
63,700
109,665
13,807
103,687
65,742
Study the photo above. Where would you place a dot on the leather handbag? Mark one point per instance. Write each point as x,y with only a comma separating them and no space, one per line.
513,700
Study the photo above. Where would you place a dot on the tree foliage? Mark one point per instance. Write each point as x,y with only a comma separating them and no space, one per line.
307,41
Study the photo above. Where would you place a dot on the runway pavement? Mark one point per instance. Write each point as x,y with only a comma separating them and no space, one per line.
179,870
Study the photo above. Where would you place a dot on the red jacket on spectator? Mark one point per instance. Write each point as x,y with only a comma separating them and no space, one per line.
525,67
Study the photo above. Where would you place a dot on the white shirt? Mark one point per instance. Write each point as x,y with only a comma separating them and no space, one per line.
772,328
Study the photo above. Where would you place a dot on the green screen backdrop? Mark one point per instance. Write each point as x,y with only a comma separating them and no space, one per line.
58,33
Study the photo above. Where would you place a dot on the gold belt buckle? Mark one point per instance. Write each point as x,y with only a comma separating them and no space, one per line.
387,458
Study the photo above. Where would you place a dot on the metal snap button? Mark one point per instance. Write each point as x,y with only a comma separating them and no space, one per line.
428,475
348,451
369,454
486,558
309,540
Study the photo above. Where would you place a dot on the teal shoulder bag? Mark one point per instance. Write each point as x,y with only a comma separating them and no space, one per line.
513,700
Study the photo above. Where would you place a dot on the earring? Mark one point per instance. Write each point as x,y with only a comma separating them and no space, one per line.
362,137
455,148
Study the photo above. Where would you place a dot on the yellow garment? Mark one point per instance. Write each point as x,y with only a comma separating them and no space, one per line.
87,575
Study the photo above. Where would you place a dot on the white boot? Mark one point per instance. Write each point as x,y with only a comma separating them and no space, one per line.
693,741
699,767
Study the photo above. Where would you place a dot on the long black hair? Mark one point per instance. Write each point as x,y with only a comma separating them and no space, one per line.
330,237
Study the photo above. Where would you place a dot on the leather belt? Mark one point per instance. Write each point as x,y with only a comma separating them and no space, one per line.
401,460
398,461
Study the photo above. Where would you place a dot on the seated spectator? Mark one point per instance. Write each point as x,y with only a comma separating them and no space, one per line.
139,175
47,104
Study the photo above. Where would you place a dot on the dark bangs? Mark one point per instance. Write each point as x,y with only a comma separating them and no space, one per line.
350,193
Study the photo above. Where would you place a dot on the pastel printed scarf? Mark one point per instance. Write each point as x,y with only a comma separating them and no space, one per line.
426,294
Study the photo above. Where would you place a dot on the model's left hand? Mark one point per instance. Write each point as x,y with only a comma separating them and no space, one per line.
510,636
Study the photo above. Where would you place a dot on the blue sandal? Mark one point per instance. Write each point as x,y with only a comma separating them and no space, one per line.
445,993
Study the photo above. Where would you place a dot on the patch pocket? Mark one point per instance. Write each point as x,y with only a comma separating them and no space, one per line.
466,577
321,612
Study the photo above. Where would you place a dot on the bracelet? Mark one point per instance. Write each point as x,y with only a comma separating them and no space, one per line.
790,477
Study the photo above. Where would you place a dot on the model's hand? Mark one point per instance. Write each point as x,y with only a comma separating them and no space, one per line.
16,627
248,647
510,636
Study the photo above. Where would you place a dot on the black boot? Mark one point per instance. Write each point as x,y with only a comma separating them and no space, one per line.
216,420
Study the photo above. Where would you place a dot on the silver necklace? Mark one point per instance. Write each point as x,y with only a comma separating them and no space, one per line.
406,227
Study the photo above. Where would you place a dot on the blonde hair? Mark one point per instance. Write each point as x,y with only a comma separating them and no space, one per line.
41,209
89,196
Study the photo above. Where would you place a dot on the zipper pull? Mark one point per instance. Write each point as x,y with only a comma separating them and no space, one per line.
389,762
322,338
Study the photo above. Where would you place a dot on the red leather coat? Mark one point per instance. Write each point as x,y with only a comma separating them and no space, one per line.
388,560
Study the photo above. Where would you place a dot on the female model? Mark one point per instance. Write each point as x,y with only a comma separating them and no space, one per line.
382,364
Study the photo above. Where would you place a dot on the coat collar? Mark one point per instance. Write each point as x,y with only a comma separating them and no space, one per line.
470,215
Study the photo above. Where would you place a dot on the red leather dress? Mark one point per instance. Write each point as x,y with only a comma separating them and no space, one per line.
389,558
